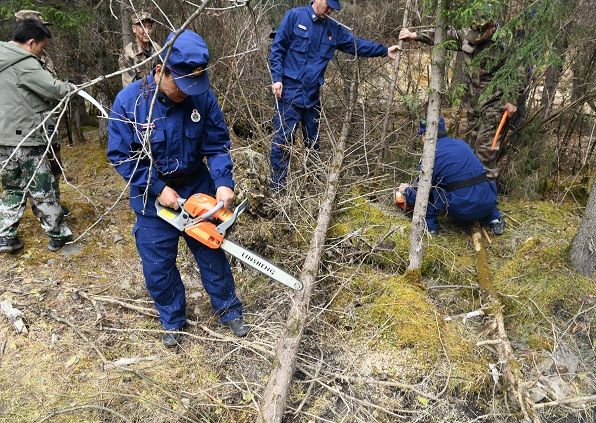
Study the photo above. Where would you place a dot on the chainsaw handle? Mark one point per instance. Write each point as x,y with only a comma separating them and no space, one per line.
211,212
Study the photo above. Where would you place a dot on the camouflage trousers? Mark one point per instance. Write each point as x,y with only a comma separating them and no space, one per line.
27,174
483,121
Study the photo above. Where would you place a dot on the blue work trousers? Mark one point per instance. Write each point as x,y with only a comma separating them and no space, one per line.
285,121
456,207
157,243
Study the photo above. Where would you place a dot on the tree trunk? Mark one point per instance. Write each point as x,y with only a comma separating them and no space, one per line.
583,247
275,396
430,140
125,24
103,98
553,75
391,93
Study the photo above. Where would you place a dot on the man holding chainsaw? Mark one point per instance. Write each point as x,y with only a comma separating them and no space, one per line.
26,132
303,46
460,186
484,56
160,132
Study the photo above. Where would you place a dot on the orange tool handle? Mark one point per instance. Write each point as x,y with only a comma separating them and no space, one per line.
199,204
206,233
500,129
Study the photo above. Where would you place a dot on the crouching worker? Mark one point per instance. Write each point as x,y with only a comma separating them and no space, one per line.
460,187
161,156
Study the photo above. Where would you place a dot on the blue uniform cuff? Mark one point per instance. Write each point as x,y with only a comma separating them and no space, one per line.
157,187
224,182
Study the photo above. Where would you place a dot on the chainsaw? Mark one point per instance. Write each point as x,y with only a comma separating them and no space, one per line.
206,220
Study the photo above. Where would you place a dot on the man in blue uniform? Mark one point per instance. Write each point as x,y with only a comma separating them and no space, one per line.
161,156
460,186
303,46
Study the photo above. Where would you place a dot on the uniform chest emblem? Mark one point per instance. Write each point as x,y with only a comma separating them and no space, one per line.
195,116
149,125
146,130
302,27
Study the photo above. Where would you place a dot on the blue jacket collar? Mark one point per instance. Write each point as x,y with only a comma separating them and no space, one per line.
161,97
312,14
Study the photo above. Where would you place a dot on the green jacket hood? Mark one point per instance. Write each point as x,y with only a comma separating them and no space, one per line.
11,54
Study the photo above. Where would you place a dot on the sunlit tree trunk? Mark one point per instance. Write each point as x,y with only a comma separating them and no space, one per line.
583,247
430,139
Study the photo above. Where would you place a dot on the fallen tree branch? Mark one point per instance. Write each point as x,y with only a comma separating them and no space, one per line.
515,386
267,352
274,399
78,331
575,400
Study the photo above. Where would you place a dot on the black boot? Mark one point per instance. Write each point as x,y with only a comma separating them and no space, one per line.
171,338
10,244
237,326
57,243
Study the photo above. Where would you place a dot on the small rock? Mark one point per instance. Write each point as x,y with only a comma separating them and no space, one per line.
118,238
71,249
51,262
558,386
544,365
566,362
537,394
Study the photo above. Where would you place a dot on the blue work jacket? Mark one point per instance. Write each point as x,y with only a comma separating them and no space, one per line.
455,162
303,46
181,135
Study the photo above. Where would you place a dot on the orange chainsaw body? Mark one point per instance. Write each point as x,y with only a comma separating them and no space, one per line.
206,232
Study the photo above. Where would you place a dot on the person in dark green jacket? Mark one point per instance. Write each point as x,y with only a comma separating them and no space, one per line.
484,112
26,133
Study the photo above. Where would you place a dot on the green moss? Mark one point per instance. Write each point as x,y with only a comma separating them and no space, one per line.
380,236
537,284
394,312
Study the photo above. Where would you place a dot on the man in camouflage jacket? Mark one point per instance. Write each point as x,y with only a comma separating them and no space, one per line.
47,63
26,130
484,111
140,49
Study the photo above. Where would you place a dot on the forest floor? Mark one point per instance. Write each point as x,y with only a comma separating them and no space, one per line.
376,349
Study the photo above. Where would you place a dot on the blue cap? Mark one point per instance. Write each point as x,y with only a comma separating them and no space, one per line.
442,126
334,4
188,62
